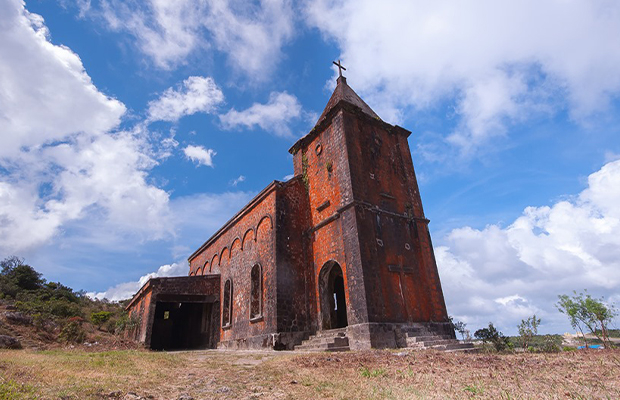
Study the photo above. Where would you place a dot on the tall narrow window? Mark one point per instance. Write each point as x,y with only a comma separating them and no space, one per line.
227,309
256,295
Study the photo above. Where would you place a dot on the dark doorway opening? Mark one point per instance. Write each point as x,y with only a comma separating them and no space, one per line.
332,296
185,325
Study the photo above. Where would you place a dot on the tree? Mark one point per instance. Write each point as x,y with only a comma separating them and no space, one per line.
459,326
528,328
586,312
491,334
17,276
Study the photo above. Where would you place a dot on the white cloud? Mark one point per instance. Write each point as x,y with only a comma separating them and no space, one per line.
237,181
196,218
38,79
126,290
507,274
251,35
272,117
200,155
58,161
195,94
496,62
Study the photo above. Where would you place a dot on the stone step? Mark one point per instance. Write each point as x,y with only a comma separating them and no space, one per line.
428,338
322,347
445,345
329,340
342,332
340,341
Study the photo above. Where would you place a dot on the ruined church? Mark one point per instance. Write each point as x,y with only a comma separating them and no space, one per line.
338,257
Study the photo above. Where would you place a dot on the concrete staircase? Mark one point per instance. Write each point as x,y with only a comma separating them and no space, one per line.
415,338
328,340
420,338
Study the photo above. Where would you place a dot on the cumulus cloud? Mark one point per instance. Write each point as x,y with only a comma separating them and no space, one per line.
197,217
274,117
195,94
507,274
126,290
58,159
495,63
251,35
200,155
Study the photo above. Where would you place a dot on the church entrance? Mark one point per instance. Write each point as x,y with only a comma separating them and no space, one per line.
185,324
332,297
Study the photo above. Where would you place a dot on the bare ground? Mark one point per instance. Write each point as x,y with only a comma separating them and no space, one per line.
77,374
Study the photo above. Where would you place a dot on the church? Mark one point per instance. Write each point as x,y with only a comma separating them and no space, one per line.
338,257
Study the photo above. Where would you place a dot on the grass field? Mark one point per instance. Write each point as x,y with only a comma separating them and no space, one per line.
76,374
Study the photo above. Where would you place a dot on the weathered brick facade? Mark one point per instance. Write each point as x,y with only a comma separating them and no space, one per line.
343,243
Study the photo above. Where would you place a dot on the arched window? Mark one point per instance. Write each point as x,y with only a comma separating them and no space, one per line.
227,309
256,294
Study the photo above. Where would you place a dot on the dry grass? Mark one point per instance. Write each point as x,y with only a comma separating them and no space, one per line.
267,375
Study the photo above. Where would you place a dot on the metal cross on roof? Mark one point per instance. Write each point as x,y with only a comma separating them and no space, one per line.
340,67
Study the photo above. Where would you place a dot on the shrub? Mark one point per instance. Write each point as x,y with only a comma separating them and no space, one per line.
99,318
72,332
493,336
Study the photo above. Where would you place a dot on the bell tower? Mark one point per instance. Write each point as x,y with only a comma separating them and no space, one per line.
371,248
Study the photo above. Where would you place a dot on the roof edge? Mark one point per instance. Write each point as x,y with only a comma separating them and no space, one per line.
244,210
344,105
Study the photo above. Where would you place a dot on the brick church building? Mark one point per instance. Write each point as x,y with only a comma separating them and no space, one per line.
338,257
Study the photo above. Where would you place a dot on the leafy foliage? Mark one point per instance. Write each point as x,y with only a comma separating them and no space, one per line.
585,312
72,332
460,327
101,317
493,336
52,305
528,328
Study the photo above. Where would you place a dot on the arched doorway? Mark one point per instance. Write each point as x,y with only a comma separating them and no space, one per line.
332,296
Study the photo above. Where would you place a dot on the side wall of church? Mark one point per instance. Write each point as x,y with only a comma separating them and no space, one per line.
250,240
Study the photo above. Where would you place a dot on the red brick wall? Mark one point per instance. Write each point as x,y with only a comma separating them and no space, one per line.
367,215
249,240
296,307
402,283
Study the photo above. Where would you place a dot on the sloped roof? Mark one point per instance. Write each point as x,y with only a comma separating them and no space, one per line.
344,92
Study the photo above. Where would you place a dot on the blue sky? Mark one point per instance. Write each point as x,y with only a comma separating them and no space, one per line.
130,131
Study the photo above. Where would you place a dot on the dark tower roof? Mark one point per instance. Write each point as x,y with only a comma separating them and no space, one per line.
343,92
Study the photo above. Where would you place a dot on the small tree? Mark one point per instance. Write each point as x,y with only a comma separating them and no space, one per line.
585,312
492,335
459,326
528,328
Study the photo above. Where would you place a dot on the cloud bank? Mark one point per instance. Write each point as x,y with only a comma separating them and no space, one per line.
126,290
251,35
507,274
494,63
56,167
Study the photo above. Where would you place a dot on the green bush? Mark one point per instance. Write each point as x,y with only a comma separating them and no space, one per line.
493,336
99,318
72,332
